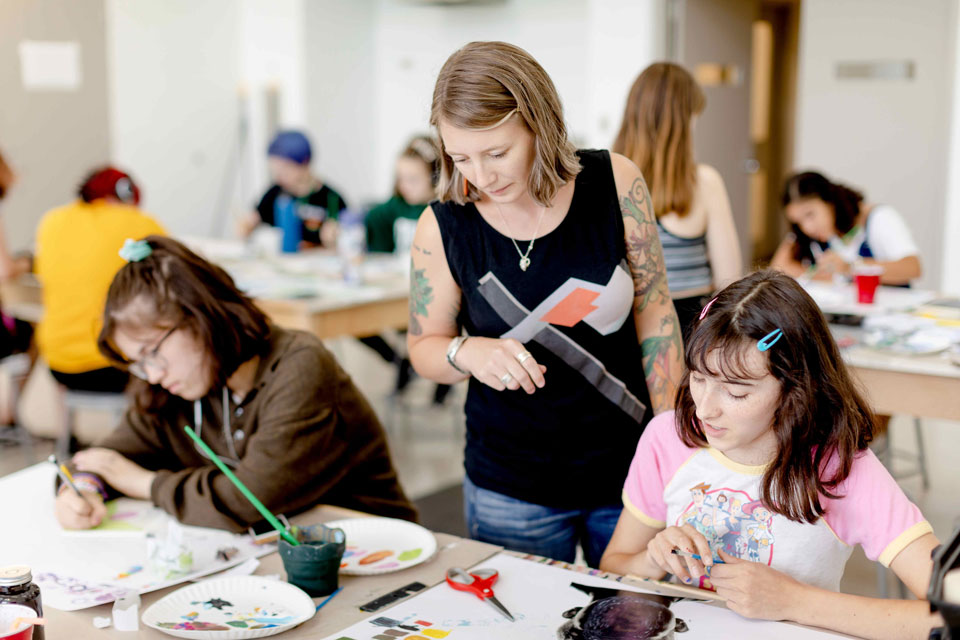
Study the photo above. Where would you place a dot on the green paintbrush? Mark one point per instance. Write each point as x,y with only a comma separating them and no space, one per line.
243,489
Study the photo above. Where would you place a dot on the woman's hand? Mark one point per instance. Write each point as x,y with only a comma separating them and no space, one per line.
501,364
754,590
685,538
122,474
73,513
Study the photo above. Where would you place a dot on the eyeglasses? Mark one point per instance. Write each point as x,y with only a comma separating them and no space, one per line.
151,359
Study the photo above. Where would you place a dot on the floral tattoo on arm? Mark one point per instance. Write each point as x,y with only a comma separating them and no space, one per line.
662,348
421,294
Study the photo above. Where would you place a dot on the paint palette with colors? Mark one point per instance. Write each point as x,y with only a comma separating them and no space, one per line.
383,545
230,608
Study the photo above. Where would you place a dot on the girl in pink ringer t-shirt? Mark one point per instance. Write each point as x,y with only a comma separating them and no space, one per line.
763,471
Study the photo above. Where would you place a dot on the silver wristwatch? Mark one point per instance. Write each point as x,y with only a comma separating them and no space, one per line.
452,349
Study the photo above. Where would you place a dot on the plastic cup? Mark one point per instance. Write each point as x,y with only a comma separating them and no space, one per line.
314,565
9,612
867,279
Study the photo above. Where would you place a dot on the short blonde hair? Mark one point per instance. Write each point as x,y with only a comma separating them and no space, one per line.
482,84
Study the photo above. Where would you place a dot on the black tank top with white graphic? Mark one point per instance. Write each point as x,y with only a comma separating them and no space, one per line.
569,444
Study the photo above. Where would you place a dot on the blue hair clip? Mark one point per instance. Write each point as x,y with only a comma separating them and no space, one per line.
769,340
135,250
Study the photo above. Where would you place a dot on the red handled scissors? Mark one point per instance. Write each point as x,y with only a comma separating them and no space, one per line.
478,583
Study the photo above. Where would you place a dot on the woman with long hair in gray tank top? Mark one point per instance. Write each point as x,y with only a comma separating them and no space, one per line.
694,220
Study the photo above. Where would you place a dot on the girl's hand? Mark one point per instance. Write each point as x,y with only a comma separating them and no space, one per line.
73,513
501,364
831,262
122,474
755,590
684,538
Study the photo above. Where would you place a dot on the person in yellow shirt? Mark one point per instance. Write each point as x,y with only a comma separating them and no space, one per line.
76,259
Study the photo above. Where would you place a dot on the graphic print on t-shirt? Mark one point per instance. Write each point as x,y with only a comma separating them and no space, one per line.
603,307
731,520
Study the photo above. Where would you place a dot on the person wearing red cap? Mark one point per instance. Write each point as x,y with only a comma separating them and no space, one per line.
77,257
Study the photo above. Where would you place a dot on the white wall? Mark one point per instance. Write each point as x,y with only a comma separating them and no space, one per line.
341,93
888,138
173,70
951,236
384,58
273,60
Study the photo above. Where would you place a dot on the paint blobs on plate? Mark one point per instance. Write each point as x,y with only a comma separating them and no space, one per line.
214,603
375,557
383,545
435,633
193,625
193,615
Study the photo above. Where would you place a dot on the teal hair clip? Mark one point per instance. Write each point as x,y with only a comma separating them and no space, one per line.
769,340
135,250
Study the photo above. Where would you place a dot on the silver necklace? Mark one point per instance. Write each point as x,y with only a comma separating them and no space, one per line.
524,257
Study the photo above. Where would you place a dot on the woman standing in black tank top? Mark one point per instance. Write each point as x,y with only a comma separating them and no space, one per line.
549,259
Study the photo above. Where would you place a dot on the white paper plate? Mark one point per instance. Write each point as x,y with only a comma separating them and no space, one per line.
383,545
233,607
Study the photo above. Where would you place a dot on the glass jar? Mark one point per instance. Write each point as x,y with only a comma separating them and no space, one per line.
17,587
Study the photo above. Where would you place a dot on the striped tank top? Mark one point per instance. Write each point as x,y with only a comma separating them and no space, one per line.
688,266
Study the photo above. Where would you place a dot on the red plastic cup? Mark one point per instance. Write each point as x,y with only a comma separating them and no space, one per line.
8,614
867,284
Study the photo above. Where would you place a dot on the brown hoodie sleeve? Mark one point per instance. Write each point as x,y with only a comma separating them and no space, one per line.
300,448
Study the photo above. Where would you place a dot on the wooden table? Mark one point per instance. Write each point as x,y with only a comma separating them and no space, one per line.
922,386
341,612
335,310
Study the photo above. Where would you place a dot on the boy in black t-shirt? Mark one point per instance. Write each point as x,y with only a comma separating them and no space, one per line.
316,204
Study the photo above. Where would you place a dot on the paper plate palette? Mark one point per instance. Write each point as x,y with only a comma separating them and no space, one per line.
382,545
231,607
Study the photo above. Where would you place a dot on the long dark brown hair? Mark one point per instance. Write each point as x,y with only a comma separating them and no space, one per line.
844,201
822,413
655,134
174,287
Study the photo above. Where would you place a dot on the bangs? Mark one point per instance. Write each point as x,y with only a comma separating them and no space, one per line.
732,350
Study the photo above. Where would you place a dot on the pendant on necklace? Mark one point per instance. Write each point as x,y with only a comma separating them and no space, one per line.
524,263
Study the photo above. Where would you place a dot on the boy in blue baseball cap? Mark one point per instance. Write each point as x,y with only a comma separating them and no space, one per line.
315,203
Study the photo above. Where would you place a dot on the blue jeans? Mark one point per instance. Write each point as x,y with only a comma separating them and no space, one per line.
532,528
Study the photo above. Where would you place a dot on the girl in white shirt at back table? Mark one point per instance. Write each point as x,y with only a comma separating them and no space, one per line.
834,228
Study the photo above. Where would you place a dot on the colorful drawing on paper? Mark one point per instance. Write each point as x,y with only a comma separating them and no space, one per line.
129,572
75,593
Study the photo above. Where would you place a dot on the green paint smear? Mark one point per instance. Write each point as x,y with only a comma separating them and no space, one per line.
409,555
238,623
109,524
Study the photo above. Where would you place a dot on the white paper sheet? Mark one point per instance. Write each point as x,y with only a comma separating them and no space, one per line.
537,595
77,570
50,66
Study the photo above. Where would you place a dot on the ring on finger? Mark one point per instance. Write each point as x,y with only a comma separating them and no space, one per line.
506,378
523,356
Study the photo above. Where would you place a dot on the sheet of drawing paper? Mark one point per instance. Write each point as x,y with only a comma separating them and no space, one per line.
538,595
76,570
